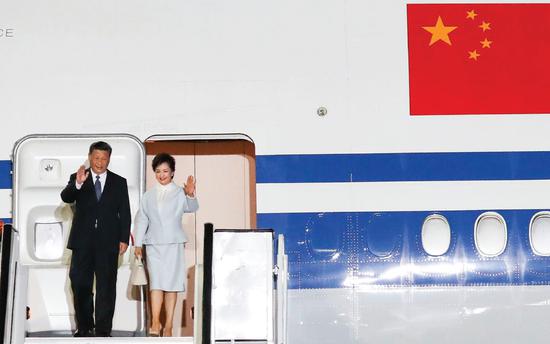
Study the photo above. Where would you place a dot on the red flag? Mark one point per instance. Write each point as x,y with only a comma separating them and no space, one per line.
479,58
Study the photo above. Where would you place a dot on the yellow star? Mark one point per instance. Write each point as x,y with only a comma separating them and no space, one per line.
439,32
474,55
485,26
471,14
486,43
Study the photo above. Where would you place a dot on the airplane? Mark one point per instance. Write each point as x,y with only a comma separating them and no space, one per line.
294,116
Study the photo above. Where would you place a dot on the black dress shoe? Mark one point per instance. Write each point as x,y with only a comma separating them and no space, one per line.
83,333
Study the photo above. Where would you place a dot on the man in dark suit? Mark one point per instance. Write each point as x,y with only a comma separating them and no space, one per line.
99,234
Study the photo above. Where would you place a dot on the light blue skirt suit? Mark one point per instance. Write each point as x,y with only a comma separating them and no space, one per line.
159,227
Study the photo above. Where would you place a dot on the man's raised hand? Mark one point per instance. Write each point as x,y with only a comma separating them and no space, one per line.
81,175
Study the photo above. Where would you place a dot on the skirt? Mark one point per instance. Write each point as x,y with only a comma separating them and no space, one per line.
166,267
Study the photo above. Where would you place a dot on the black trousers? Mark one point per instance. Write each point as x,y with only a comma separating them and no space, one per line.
85,263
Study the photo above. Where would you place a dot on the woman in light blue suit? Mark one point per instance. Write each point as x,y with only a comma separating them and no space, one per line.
159,227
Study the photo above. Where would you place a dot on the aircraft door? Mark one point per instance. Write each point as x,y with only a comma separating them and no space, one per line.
42,166
224,168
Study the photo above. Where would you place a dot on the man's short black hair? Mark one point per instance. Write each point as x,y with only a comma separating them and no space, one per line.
162,158
100,145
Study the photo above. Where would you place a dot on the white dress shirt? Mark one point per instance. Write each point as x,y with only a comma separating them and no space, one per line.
102,180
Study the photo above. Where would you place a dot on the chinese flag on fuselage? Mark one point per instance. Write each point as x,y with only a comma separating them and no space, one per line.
479,58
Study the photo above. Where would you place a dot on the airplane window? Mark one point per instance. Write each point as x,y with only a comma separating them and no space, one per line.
323,234
539,233
436,235
383,234
490,234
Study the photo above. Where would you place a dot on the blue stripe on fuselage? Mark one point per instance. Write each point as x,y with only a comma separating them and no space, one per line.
5,174
392,167
387,167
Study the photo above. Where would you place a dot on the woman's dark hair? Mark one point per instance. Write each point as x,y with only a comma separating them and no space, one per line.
162,158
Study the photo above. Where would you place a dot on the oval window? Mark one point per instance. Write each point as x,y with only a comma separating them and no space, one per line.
323,234
384,233
539,233
490,234
436,235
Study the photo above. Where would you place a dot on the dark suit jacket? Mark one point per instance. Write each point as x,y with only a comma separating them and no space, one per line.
111,213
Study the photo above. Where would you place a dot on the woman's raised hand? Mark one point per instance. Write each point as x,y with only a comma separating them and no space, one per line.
189,186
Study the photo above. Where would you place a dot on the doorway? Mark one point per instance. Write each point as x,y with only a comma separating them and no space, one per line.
224,166
225,173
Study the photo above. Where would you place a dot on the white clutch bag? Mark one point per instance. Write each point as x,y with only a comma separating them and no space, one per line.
138,275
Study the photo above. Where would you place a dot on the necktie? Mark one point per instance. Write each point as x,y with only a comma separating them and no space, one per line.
97,186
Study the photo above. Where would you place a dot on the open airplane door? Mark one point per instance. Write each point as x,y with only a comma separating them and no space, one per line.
42,165
224,168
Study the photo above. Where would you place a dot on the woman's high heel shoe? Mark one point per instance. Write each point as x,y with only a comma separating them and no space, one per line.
153,333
